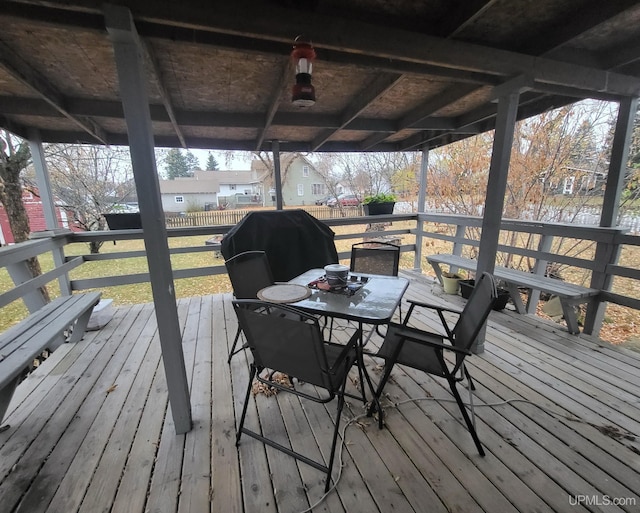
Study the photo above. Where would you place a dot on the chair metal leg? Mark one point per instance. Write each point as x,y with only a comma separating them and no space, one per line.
471,387
235,343
252,375
465,414
324,468
375,404
335,438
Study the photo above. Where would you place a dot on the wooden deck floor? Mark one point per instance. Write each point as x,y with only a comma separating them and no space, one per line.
91,431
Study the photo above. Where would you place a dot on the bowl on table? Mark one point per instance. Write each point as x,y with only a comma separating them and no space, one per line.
337,275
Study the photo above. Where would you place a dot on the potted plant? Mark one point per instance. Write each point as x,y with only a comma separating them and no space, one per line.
123,220
377,204
467,286
451,282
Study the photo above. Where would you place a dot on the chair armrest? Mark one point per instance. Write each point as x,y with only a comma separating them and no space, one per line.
408,336
347,348
414,303
439,309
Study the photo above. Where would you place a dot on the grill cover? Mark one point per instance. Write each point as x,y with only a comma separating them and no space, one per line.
293,240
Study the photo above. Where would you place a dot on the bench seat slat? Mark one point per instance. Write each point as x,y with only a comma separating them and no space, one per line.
22,343
568,293
521,278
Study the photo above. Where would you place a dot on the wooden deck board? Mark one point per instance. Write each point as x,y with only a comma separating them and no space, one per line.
79,443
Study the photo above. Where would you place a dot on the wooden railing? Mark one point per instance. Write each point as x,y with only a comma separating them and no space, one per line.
591,256
584,255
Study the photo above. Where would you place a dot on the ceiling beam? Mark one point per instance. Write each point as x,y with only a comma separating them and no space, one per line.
481,120
421,112
171,141
274,101
271,23
13,127
198,35
375,90
11,105
595,17
464,14
24,73
164,95
575,25
621,55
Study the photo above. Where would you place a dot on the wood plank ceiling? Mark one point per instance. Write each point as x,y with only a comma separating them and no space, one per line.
390,75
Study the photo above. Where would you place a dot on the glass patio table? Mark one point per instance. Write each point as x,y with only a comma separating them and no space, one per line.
374,303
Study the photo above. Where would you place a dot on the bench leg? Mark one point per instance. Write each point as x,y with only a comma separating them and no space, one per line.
570,317
80,326
514,292
5,398
437,270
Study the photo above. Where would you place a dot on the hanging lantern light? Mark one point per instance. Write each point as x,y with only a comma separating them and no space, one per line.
303,94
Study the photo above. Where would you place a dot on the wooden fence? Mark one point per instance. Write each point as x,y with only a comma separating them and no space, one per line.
230,217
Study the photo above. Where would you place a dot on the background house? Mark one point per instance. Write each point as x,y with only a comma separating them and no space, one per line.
239,189
199,192
301,182
33,206
208,190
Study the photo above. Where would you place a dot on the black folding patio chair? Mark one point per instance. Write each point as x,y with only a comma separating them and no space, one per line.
375,258
286,340
249,272
425,351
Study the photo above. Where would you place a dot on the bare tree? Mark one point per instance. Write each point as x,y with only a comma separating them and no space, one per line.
90,181
458,176
326,164
631,193
558,165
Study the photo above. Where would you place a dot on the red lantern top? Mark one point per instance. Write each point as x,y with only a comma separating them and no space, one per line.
303,50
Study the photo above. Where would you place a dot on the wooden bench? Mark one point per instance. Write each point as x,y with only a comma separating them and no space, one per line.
64,319
568,293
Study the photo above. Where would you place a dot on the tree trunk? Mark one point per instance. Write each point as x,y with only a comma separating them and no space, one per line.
11,166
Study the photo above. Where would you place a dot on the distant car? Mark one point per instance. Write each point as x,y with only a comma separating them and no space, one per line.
346,200
323,201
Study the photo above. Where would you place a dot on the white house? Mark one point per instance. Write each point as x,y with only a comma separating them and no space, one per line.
199,192
208,190
239,188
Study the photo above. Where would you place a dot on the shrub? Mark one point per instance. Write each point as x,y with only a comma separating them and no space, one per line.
380,198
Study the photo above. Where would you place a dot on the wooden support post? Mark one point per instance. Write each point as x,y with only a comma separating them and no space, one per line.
608,253
496,187
48,204
422,197
275,147
132,80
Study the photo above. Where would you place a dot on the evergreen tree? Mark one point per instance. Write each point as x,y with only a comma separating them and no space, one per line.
176,164
192,163
212,163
